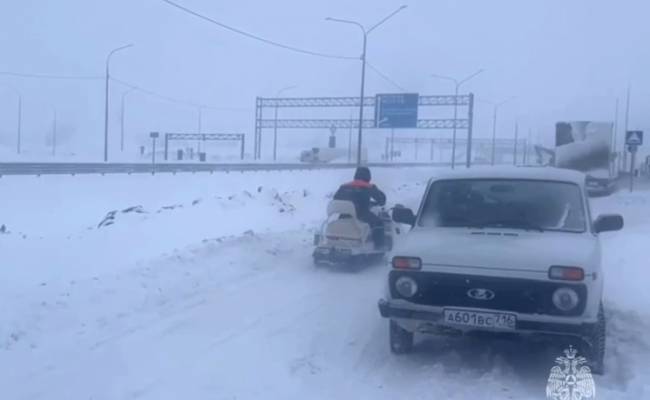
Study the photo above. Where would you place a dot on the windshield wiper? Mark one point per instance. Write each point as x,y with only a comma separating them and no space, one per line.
510,223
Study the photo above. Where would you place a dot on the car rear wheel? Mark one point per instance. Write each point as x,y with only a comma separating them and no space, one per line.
401,340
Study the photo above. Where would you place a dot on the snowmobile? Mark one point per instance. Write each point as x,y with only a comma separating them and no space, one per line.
345,240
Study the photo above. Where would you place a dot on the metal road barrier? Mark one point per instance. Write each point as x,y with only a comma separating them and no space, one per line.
27,168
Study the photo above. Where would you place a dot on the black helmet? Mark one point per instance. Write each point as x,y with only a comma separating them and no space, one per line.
362,174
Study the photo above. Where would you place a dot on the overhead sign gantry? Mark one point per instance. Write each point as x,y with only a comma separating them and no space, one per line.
398,111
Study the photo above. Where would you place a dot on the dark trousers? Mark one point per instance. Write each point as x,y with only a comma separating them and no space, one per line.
377,226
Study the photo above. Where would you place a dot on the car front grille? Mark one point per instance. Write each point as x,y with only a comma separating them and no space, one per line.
510,294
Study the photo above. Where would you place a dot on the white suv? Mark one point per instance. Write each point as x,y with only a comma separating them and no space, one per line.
503,250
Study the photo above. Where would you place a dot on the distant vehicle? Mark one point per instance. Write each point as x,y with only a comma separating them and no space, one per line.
327,154
467,264
587,146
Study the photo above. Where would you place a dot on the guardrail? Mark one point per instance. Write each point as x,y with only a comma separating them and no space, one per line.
139,168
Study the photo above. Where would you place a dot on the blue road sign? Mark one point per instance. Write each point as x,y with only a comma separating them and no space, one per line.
634,138
397,110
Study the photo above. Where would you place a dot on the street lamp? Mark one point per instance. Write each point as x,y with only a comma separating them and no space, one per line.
457,85
122,118
20,112
365,32
108,62
494,125
275,125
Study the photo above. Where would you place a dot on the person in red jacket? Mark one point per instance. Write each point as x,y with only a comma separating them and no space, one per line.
365,195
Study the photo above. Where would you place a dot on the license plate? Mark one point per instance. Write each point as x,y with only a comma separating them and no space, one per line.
480,319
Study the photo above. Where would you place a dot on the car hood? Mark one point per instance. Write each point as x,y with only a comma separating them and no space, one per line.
499,249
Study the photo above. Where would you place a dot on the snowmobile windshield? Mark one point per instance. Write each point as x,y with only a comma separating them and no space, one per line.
505,203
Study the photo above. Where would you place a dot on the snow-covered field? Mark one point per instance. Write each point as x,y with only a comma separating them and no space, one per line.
204,289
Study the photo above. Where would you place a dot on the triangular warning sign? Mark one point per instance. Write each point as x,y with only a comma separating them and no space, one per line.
634,137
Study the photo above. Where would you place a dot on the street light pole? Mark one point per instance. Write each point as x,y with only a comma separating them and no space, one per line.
627,123
457,85
494,126
106,92
362,97
20,123
54,134
365,32
514,158
275,124
122,119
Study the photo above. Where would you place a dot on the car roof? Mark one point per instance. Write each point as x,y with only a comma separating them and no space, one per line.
512,172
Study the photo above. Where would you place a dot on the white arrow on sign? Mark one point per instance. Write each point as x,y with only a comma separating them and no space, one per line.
633,138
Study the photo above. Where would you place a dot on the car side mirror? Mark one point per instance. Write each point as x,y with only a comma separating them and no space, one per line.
403,215
608,222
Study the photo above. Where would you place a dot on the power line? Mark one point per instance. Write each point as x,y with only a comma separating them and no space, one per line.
175,100
385,77
255,37
50,76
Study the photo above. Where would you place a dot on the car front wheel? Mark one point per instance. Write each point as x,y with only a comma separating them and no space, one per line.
595,351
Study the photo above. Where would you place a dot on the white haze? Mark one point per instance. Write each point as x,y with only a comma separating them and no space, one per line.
562,60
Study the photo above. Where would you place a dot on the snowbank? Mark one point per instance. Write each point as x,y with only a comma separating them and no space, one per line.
201,286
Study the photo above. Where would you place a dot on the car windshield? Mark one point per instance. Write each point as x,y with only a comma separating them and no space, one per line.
516,204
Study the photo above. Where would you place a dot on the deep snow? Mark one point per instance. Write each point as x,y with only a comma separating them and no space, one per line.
210,292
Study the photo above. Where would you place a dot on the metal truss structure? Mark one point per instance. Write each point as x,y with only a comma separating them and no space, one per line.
346,123
262,123
203,137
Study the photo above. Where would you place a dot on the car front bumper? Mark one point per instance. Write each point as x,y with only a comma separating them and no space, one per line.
429,318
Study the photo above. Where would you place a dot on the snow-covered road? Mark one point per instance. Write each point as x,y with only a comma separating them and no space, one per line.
210,293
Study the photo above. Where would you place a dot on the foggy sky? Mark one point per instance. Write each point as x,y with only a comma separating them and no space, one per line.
563,60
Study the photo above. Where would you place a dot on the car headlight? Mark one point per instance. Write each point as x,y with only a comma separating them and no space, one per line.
565,299
406,286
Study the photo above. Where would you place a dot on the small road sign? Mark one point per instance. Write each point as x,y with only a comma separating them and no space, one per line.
634,138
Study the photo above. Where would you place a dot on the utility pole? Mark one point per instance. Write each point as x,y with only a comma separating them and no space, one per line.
494,135
20,121
275,123
613,167
527,143
106,95
633,150
54,134
392,143
365,32
350,144
122,119
627,122
200,130
153,136
494,127
516,142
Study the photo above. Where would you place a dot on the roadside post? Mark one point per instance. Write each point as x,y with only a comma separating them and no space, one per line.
154,136
633,139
